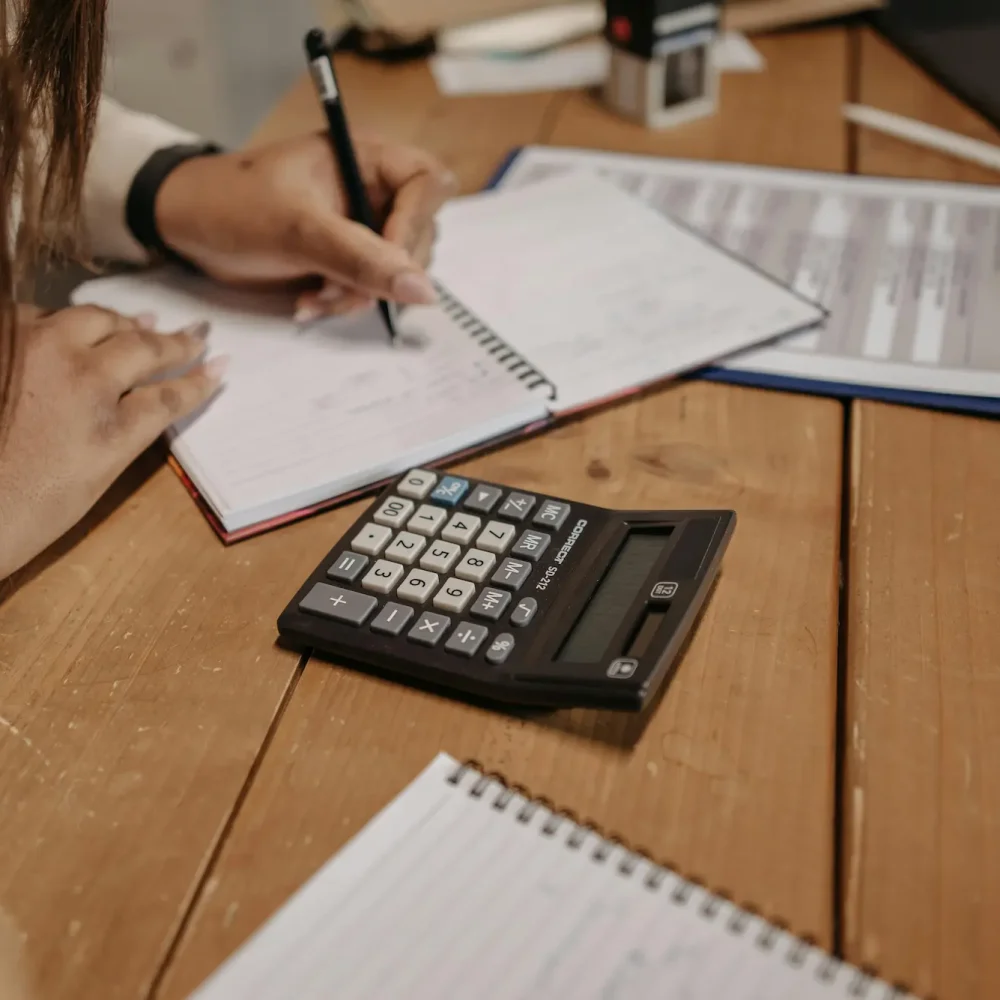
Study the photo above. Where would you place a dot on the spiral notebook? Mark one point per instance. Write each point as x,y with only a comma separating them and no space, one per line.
463,887
552,299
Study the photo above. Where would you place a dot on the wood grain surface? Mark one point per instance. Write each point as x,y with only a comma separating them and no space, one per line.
731,777
921,890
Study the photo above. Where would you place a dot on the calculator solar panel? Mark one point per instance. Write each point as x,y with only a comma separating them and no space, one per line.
510,595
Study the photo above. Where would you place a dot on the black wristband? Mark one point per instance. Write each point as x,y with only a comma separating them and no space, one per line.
140,206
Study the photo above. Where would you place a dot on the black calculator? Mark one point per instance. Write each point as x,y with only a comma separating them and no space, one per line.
510,595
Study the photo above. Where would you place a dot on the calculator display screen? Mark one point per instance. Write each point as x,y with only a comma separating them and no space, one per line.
614,596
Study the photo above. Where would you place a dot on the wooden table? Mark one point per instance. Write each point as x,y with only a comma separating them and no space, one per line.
168,776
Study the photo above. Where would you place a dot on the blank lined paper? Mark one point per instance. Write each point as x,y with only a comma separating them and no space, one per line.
602,292
461,888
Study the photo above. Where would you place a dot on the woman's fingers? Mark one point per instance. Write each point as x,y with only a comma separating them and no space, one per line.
145,413
133,356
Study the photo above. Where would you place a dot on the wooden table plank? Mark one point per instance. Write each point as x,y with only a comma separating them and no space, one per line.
732,776
139,679
922,775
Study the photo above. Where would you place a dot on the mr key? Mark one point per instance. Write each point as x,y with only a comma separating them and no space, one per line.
510,595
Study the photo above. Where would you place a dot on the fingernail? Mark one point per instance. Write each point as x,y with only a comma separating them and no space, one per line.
146,320
198,330
413,288
306,314
216,368
330,294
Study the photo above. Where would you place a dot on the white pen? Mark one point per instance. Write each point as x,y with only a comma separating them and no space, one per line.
921,134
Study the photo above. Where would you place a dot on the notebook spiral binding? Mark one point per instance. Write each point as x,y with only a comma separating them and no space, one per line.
770,937
495,346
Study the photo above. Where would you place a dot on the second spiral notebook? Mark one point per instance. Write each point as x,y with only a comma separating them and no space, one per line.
554,298
463,887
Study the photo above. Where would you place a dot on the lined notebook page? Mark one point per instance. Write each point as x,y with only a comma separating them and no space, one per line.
602,292
308,414
463,889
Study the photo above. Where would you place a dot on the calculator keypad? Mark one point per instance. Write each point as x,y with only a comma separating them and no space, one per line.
419,565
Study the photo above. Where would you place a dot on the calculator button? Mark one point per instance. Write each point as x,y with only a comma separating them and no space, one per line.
393,512
496,537
530,545
490,604
405,548
430,628
466,639
501,647
524,612
341,605
427,520
476,565
454,596
416,484
418,586
512,574
461,528
440,557
383,576
372,539
392,619
450,490
484,498
348,567
517,506
552,514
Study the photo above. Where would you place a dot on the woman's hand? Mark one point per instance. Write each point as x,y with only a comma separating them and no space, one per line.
279,214
83,411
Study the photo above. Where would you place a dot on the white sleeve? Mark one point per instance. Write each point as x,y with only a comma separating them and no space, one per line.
123,141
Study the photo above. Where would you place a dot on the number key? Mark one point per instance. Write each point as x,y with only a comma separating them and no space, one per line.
476,565
418,586
496,537
405,548
416,484
427,519
393,512
440,557
383,576
461,528
454,596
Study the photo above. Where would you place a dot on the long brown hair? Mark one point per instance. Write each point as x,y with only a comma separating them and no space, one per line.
51,66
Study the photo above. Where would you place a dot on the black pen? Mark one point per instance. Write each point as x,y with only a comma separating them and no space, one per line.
325,79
